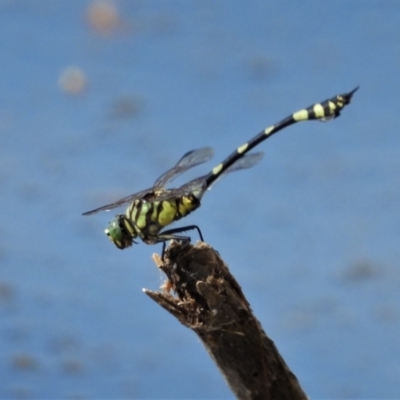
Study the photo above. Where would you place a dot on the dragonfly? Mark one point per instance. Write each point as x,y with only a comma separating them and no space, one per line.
151,210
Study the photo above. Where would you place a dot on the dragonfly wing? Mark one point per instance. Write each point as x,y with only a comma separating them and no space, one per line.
125,200
247,161
198,186
188,160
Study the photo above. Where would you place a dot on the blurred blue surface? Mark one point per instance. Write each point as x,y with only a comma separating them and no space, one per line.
311,233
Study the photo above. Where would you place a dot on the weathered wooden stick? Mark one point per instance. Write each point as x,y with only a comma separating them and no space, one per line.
210,302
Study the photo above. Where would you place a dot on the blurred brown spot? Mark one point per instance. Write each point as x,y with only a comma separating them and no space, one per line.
24,362
125,107
260,68
387,312
72,367
18,333
64,344
72,80
29,191
7,292
21,392
103,17
360,271
299,320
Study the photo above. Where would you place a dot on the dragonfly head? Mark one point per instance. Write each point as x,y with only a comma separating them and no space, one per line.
120,232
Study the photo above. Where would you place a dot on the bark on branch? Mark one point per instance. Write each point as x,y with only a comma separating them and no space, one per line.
210,302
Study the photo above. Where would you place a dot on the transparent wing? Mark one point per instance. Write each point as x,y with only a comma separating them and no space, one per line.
198,186
189,160
248,161
125,200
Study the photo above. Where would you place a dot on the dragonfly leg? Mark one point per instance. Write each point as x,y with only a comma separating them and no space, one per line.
183,239
170,234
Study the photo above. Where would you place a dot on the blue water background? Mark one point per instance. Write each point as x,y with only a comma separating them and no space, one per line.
312,233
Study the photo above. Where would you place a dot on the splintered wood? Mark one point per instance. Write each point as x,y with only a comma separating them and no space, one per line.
207,299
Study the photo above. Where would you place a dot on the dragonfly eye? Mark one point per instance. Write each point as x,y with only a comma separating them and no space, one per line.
118,234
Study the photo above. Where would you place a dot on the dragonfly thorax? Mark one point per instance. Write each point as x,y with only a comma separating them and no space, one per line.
146,217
